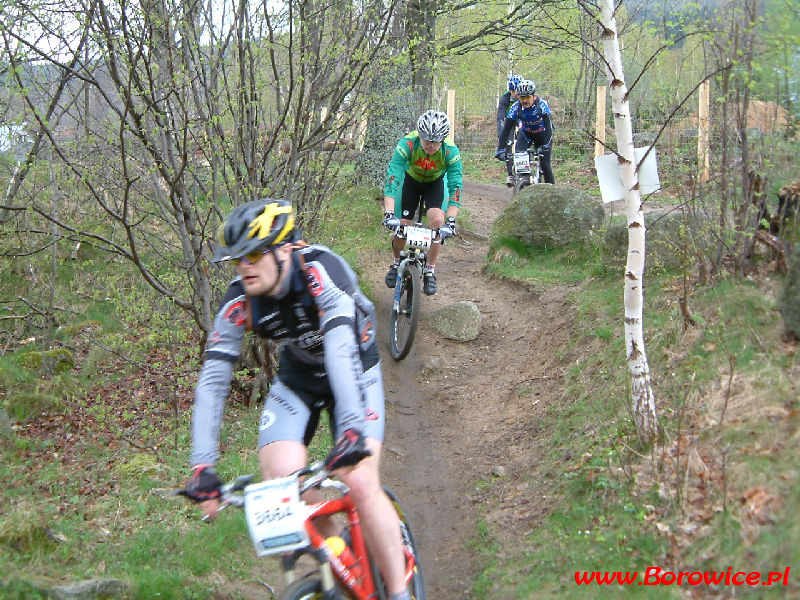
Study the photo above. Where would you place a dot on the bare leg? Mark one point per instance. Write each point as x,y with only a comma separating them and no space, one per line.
435,220
378,518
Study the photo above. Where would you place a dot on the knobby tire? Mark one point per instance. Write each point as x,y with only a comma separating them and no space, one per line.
404,321
416,586
306,588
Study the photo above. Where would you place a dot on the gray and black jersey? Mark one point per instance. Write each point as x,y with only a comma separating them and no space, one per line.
326,330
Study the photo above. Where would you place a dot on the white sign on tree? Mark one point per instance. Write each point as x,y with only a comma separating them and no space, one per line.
611,182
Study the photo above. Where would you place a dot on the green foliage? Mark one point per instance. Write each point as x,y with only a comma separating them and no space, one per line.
16,589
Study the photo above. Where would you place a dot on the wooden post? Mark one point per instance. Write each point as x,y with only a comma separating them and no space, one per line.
702,132
600,122
451,111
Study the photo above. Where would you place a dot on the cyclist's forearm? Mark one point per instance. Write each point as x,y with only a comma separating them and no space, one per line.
209,403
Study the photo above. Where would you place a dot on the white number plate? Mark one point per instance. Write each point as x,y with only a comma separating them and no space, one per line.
419,237
275,516
522,162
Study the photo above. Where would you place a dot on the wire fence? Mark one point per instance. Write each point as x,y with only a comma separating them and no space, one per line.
772,132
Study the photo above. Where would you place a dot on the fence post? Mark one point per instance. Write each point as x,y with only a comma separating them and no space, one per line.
600,122
702,131
451,110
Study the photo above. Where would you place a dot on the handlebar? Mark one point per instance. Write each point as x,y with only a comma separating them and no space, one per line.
400,232
316,476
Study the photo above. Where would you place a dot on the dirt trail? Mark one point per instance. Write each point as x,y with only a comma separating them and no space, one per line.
475,414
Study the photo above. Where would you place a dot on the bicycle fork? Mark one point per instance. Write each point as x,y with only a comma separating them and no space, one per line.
398,284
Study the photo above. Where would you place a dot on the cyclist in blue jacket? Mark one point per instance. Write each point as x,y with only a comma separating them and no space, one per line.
503,104
535,128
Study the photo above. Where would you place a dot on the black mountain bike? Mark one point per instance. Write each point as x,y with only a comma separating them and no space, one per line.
408,286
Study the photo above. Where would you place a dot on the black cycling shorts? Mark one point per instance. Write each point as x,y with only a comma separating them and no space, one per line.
431,194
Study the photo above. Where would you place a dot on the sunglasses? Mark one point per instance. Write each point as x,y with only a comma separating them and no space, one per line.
252,258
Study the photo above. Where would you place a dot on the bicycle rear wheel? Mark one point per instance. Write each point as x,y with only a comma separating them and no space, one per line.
405,316
416,587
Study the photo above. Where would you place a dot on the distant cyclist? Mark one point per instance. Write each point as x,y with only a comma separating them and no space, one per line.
505,101
421,162
535,128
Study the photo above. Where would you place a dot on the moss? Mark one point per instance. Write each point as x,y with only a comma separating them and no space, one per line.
25,530
60,360
25,405
138,464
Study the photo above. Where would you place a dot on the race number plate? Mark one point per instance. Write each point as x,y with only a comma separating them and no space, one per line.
522,162
419,237
275,516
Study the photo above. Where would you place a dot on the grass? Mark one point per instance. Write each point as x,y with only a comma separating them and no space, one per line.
607,508
80,492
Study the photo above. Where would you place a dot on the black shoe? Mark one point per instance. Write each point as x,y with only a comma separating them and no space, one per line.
429,283
391,276
349,450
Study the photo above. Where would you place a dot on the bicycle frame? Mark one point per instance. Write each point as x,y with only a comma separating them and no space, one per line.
362,588
331,567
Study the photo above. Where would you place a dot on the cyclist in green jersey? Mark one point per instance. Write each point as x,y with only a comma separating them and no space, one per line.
421,164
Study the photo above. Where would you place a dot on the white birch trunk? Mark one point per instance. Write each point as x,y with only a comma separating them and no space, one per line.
644,407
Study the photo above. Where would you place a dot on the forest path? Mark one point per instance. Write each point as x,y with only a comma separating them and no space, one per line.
474,414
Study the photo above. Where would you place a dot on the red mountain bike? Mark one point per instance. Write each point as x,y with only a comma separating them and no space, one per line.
281,523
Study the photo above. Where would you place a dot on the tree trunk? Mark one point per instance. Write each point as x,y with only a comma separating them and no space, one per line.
644,408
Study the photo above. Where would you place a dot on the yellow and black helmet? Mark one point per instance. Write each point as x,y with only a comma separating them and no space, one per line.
254,226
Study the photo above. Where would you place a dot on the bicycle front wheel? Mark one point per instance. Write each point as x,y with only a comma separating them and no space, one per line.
416,587
307,588
405,313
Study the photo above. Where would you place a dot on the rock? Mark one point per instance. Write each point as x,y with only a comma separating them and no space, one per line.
789,297
499,471
460,321
663,241
547,216
90,589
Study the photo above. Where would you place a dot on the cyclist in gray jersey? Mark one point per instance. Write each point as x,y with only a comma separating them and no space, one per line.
308,299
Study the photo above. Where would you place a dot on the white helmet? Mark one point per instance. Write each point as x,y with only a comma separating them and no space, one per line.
526,88
433,126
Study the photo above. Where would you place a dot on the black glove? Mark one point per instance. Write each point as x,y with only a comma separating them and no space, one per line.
203,484
448,229
390,221
500,154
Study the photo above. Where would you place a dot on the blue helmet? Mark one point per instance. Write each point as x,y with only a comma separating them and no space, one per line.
513,81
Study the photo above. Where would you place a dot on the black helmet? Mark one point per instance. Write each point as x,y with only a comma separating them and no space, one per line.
253,226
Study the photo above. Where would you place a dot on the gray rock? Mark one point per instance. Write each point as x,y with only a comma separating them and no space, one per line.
90,589
460,321
667,241
547,216
789,297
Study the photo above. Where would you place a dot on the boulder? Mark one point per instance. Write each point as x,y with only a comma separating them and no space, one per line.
90,589
460,321
547,216
789,296
664,247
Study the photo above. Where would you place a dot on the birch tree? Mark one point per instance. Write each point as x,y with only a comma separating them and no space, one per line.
643,400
